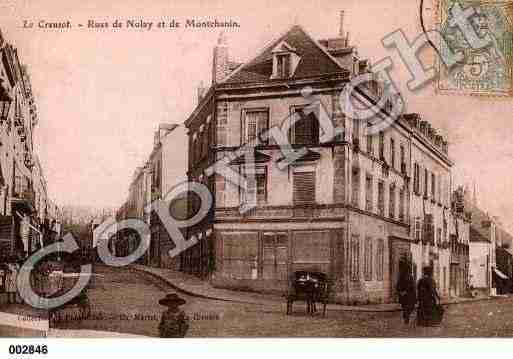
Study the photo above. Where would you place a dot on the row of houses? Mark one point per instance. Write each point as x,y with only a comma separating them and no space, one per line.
352,206
28,218
164,168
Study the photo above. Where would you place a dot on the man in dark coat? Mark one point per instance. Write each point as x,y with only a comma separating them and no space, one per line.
174,323
429,311
406,289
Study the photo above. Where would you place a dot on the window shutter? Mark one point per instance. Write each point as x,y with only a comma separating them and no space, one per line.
304,188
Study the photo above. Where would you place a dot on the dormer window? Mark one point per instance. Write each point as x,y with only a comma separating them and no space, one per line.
285,61
283,66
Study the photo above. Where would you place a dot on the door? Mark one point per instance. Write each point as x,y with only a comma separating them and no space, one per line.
398,248
275,249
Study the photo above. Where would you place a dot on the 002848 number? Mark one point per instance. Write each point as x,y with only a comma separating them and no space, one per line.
28,349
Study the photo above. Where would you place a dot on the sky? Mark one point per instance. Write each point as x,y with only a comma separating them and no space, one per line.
101,93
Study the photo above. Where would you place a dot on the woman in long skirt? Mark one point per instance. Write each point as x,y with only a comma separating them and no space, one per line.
10,284
429,309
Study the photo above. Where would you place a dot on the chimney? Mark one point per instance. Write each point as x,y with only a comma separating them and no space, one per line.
220,61
341,28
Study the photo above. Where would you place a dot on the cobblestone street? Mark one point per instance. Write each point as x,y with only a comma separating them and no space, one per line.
126,301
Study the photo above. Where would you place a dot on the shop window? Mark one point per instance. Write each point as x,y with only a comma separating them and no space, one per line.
240,255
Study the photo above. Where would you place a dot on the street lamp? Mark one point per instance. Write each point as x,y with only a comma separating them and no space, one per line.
5,102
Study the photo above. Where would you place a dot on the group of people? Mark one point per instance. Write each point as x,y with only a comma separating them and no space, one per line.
424,292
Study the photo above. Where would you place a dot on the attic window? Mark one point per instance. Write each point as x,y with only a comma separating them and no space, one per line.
283,65
285,61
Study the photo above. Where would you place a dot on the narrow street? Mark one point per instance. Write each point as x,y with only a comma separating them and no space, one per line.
126,301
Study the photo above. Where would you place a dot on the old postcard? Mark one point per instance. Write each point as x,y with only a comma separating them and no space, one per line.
225,169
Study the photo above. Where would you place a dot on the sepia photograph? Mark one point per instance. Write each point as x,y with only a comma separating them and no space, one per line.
223,169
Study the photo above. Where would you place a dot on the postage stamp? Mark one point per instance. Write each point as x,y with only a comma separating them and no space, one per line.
481,71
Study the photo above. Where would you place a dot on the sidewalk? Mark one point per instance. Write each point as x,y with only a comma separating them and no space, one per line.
193,286
17,320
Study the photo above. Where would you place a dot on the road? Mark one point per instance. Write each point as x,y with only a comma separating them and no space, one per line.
126,301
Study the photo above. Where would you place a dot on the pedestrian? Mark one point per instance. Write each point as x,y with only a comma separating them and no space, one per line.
10,283
406,289
429,312
174,322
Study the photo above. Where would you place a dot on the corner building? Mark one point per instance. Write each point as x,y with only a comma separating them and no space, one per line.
350,207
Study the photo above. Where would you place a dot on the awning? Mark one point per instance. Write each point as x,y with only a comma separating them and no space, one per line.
500,274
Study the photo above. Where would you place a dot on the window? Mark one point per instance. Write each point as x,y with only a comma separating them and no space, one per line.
444,288
381,198
444,231
220,190
426,181
312,248
429,229
433,186
418,229
18,186
356,129
370,145
368,259
392,153
368,193
381,145
403,156
283,65
256,122
354,259
204,141
338,118
240,255
222,122
261,185
305,130
304,188
256,186
222,114
439,188
391,201
221,136
275,254
380,259
355,182
416,179
439,235
401,204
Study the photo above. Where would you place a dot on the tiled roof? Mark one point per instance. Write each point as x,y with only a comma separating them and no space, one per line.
314,61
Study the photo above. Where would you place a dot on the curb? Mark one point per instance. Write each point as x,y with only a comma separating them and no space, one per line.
345,307
188,292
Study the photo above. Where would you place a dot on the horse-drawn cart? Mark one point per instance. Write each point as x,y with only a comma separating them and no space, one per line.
310,287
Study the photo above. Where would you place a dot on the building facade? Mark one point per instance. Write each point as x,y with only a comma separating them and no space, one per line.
23,194
164,169
350,207
483,244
